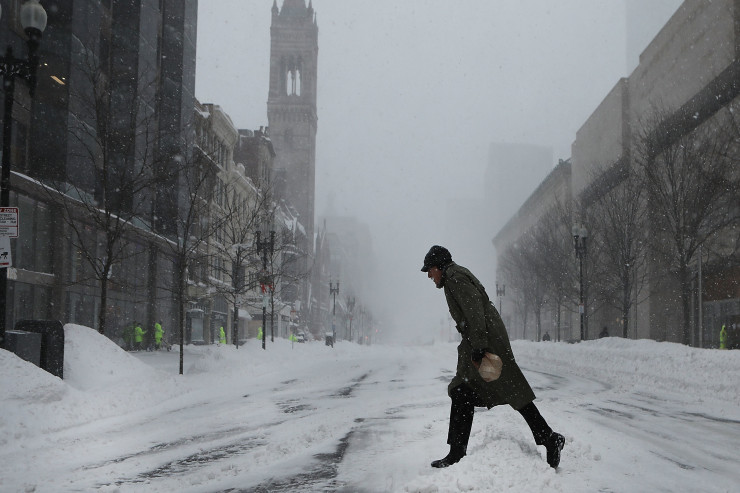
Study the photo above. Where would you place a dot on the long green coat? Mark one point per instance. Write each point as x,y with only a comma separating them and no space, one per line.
481,327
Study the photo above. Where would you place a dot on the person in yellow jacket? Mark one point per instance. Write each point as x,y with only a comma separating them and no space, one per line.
158,333
221,335
259,334
723,337
138,335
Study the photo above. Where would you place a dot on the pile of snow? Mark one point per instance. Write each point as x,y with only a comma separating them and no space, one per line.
100,380
641,365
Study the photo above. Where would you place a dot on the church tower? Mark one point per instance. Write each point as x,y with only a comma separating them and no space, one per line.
291,106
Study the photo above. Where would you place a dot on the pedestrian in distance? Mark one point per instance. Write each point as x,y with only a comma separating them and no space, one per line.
546,337
128,336
483,333
604,332
158,334
138,335
221,335
723,337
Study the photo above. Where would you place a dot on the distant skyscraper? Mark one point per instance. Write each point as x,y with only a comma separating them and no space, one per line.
513,172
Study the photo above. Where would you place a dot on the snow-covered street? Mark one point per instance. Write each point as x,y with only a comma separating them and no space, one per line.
638,416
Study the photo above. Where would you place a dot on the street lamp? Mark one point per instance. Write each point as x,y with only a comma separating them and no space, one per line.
33,20
351,308
266,248
500,292
334,291
580,234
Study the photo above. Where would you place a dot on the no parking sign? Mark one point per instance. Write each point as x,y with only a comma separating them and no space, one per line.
9,222
8,230
5,259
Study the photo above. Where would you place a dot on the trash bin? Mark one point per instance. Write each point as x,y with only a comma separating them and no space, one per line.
25,345
51,333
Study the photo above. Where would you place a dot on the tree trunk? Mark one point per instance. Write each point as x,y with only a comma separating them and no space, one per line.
625,309
235,325
182,285
103,303
272,314
685,306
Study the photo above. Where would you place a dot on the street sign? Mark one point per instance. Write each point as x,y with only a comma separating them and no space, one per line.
5,259
9,222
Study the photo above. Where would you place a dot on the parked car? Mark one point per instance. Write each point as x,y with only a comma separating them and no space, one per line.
300,337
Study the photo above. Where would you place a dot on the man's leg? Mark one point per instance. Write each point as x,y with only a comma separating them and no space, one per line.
543,434
461,422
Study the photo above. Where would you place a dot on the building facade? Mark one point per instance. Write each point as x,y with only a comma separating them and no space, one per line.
688,77
110,117
292,115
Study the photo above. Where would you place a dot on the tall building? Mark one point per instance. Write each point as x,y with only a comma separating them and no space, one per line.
114,97
643,21
513,172
291,103
291,113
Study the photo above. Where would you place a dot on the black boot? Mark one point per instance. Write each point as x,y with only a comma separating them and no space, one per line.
554,445
456,453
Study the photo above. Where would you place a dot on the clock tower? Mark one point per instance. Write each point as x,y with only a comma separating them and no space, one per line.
291,107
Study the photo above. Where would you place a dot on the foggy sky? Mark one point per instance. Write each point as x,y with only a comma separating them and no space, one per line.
410,95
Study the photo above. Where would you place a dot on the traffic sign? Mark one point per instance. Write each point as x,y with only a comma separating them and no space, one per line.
5,259
9,222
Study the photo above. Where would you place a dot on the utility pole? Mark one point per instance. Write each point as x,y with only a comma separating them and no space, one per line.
334,291
266,248
351,308
580,234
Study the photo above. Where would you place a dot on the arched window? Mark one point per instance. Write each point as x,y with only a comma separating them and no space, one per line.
293,77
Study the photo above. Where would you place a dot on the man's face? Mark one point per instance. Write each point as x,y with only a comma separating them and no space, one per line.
435,274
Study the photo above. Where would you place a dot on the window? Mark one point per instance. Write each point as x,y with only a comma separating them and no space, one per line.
32,249
31,302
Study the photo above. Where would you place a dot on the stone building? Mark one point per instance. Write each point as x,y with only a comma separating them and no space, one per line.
690,74
292,116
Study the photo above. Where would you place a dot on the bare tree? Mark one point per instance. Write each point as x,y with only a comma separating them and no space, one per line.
617,218
239,211
524,266
285,261
195,225
556,243
105,195
690,175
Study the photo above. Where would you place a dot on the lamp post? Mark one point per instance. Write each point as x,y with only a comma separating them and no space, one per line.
266,248
33,20
580,234
500,292
334,291
351,308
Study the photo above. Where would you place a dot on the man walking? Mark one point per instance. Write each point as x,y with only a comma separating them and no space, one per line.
482,331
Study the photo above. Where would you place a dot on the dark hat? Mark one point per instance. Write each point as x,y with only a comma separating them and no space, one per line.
437,256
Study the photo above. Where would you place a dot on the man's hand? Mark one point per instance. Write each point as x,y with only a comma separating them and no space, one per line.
477,357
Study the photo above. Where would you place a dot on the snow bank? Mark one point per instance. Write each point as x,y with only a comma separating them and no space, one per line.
641,365
100,380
